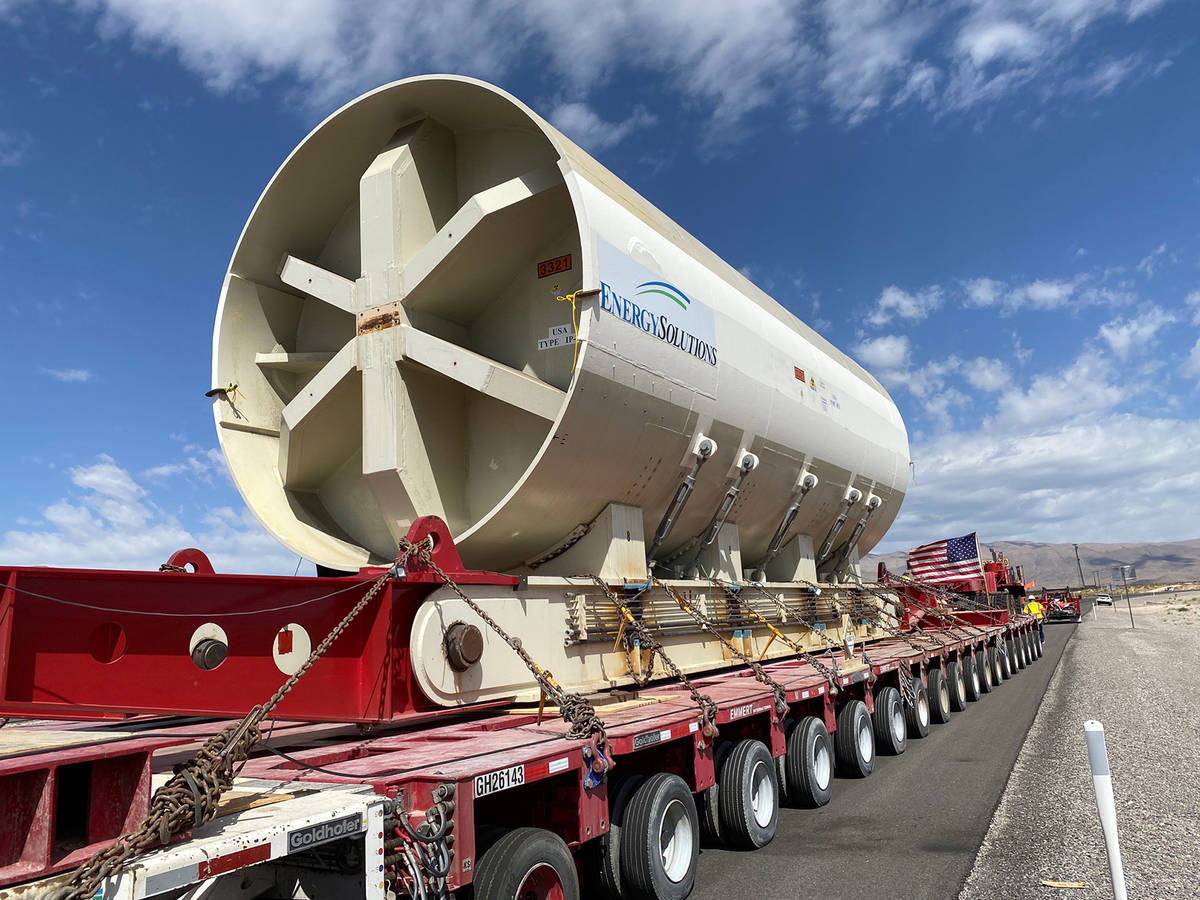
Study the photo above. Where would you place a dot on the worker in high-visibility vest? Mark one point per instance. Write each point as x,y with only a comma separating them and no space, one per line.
1038,611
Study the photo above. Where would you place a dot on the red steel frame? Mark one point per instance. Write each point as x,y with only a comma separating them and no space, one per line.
126,649
45,669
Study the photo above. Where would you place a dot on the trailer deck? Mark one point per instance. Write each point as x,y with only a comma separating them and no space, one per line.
490,770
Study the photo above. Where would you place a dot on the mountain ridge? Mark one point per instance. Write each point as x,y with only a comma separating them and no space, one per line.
1053,564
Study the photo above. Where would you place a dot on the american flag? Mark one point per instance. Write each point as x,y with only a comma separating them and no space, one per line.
954,559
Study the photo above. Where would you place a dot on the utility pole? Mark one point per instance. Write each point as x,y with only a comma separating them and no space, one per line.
1082,584
1126,571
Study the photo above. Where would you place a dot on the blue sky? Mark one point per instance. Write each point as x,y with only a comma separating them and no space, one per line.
992,205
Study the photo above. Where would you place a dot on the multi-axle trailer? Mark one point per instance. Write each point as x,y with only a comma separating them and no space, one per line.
503,801
448,330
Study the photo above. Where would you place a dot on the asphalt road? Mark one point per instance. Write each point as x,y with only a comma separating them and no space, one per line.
912,829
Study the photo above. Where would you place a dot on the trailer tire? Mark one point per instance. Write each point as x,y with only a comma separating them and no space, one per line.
608,846
984,668
956,685
748,798
996,661
971,678
939,696
526,862
891,731
855,740
1006,658
1035,645
1030,656
917,715
661,841
1038,648
1014,652
809,763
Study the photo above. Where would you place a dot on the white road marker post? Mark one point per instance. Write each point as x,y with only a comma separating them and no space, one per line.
1102,782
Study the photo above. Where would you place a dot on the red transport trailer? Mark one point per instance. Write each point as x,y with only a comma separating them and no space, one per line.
425,803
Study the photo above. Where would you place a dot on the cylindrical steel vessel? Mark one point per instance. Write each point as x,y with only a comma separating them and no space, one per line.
392,321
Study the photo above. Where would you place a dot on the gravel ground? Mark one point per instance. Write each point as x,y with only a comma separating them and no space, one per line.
1142,685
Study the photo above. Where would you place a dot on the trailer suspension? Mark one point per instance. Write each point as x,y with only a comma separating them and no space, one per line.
708,708
707,624
575,709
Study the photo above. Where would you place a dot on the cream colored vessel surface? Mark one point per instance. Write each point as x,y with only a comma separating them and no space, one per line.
398,351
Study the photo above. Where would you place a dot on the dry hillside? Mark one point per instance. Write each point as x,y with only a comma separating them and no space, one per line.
1052,565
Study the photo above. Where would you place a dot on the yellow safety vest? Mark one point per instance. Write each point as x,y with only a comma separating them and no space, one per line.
1034,608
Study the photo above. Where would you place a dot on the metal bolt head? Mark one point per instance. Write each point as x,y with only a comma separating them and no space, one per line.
209,653
464,646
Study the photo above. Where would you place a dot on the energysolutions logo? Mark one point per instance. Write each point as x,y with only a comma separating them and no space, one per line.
667,290
639,297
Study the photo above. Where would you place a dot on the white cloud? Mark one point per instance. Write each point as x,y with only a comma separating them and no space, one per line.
583,125
1106,76
858,56
1084,388
1193,302
894,301
1151,261
113,522
69,375
1048,294
1127,335
1191,365
987,374
986,41
887,353
1046,482
14,148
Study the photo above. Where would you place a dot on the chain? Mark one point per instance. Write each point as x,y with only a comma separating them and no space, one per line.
880,618
704,622
574,709
907,689
191,796
966,629
841,610
708,707
810,658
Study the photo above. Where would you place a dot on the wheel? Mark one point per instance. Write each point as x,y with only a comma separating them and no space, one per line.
660,843
939,696
1010,663
1014,651
956,685
891,733
996,658
917,715
1030,655
970,677
748,799
527,864
855,740
710,807
984,668
1038,647
808,763
607,853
